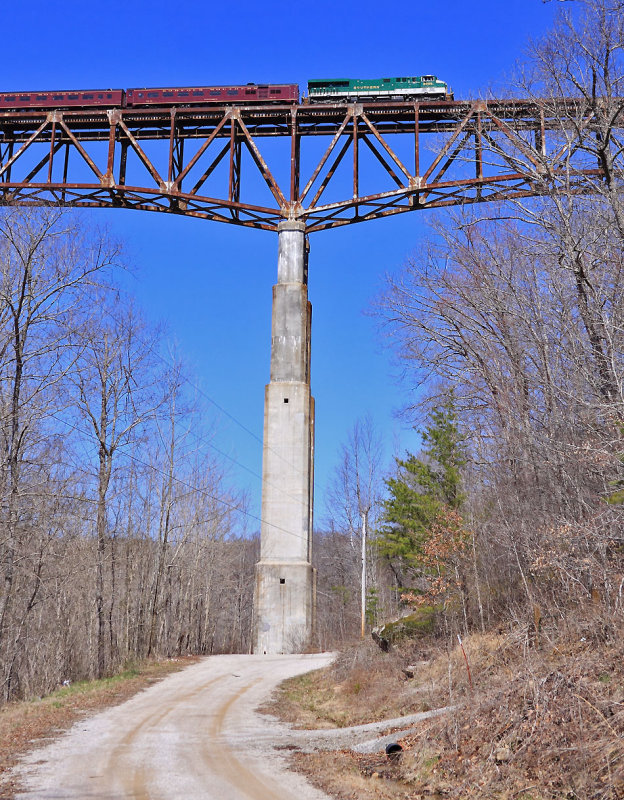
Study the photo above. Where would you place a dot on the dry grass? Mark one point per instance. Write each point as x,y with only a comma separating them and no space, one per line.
29,724
349,777
362,685
544,720
545,723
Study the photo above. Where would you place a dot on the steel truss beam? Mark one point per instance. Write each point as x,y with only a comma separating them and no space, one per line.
214,163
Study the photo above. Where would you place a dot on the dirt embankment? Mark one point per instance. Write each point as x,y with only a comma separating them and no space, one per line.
543,718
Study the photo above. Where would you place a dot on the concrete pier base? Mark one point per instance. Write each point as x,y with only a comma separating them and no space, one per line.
284,595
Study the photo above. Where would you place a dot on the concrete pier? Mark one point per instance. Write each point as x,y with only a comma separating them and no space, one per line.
284,595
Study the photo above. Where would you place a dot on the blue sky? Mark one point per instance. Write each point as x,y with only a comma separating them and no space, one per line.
211,283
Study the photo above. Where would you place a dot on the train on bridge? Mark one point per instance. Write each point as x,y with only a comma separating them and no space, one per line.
342,90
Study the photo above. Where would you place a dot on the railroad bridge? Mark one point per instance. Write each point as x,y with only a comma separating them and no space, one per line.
296,170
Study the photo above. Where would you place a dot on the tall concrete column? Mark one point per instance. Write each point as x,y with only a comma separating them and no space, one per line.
284,597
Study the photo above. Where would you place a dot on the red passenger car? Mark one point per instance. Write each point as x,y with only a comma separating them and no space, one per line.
214,95
284,93
61,99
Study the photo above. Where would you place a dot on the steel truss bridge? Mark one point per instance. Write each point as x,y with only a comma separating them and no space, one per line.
294,170
320,165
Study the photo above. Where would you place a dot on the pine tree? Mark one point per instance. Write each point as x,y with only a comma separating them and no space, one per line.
424,501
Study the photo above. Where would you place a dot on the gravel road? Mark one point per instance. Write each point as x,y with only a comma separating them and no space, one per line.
193,736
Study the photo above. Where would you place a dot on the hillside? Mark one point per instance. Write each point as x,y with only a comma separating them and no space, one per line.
544,719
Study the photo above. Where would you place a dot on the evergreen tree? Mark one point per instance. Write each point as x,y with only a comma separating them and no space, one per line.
425,491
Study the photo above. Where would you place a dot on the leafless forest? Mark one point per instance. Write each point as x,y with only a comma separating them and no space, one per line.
118,533
517,313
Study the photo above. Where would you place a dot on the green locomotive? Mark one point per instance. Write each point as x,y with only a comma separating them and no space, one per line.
423,87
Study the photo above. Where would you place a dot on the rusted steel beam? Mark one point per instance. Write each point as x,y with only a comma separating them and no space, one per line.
540,134
232,150
52,151
517,140
495,147
478,149
172,147
386,146
80,149
356,174
236,179
330,173
273,121
142,156
382,161
177,164
123,160
110,157
65,169
23,148
416,140
517,134
201,150
565,150
450,160
325,217
211,168
260,163
295,154
324,158
47,159
448,145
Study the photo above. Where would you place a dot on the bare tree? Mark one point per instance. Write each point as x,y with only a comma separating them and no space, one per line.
488,310
355,495
579,220
47,264
115,382
118,534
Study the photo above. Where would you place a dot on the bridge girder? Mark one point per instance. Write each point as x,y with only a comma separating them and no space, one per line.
223,163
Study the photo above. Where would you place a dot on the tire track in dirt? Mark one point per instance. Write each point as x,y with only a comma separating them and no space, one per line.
134,778
220,758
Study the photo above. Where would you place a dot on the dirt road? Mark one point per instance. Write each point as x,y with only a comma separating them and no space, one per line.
194,736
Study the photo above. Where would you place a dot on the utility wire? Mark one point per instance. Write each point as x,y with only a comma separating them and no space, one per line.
227,414
181,482
241,425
